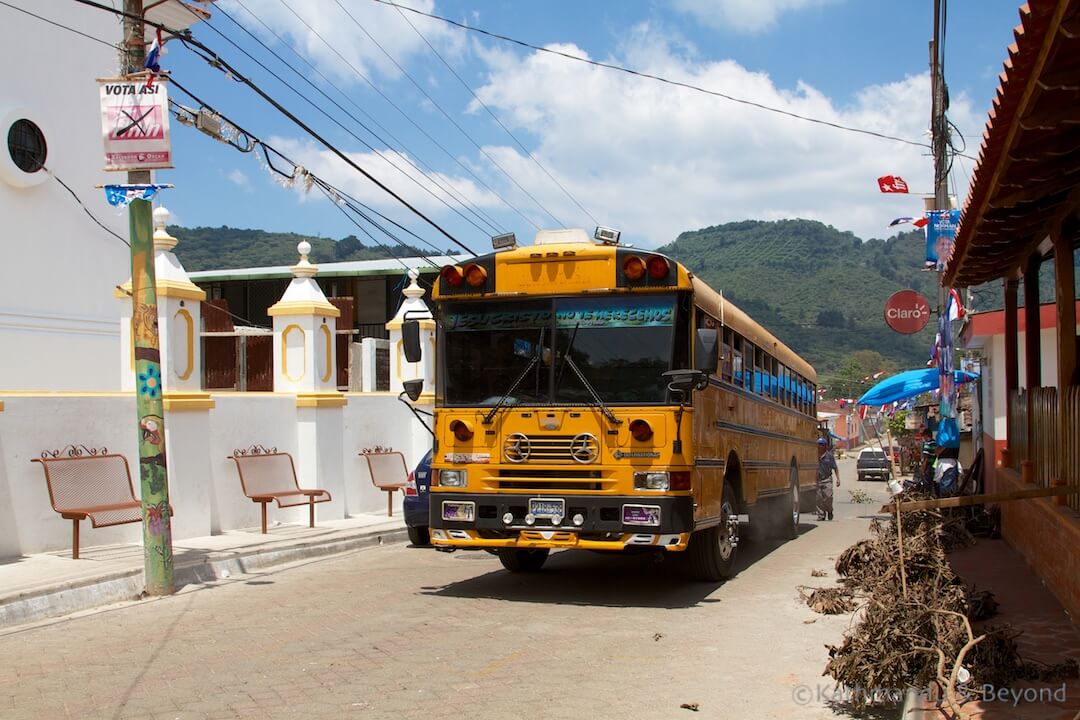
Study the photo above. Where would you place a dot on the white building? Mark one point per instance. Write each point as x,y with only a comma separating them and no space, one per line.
58,317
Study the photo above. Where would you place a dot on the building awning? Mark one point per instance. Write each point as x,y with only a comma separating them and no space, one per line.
1027,181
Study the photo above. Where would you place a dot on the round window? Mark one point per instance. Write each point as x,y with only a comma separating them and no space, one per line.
26,145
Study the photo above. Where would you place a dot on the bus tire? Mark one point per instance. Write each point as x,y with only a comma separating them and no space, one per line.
523,561
712,550
791,506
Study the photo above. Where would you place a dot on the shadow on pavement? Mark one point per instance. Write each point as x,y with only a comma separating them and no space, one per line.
648,580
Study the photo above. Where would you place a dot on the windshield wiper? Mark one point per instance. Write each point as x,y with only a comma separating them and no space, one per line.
514,385
596,396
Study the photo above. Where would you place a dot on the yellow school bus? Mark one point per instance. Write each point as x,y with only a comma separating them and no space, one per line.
594,396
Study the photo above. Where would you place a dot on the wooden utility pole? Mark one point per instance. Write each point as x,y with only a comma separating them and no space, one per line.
153,477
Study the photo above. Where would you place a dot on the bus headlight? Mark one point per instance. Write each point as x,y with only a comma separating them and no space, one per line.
453,478
652,481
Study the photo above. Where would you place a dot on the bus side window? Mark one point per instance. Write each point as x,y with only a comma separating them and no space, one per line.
725,357
737,361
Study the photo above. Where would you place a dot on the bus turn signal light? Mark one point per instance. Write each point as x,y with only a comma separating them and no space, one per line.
475,275
658,267
461,430
641,430
452,275
633,268
680,480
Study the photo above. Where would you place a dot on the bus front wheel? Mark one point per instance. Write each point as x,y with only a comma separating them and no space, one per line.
518,561
712,550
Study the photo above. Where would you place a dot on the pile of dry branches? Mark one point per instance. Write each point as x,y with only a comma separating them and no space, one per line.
913,629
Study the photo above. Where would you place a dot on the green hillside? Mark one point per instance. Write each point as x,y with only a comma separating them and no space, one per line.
821,291
223,248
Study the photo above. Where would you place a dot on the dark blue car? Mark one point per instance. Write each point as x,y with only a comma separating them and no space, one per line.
415,504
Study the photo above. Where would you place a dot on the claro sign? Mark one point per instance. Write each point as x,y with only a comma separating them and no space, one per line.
907,312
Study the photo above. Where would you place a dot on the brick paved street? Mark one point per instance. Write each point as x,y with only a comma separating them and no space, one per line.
402,632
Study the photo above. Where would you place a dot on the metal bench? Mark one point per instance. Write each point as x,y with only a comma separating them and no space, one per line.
269,475
388,472
90,483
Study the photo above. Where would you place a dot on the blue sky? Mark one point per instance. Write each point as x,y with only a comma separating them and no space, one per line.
648,158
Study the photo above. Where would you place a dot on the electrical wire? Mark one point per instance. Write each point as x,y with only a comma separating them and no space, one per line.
495,117
217,62
408,118
267,149
447,115
59,25
86,210
376,151
448,189
657,78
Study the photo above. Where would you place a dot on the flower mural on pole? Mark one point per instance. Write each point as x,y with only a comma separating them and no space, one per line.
150,382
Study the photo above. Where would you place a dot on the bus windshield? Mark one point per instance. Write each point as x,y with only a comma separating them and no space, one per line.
543,351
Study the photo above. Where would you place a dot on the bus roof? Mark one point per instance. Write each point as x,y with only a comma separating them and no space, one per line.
731,316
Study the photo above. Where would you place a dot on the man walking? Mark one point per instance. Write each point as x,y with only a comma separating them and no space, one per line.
825,470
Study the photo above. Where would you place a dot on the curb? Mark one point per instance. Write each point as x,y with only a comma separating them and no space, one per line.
121,586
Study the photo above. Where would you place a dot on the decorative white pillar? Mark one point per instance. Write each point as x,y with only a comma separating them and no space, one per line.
304,363
179,326
304,358
401,370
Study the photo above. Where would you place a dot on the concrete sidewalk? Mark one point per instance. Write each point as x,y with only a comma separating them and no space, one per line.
35,587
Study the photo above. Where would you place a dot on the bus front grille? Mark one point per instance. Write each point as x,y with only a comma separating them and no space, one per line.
550,480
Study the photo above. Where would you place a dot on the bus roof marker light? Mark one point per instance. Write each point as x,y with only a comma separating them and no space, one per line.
633,268
606,235
506,240
659,267
475,275
452,275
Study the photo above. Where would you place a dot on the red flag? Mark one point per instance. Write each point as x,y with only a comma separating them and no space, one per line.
921,222
892,184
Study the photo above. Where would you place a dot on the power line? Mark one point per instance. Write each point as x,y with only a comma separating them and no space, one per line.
267,149
657,78
495,117
86,210
59,25
216,61
408,118
453,122
433,178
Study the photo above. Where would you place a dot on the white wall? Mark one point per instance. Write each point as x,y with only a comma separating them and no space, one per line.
995,402
30,425
377,419
57,314
204,486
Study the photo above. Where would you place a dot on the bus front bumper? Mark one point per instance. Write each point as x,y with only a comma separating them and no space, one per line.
474,520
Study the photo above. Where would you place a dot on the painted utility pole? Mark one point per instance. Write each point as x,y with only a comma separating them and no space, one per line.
939,132
153,477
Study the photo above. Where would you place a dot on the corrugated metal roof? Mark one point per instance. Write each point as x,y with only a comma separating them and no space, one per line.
388,266
1026,180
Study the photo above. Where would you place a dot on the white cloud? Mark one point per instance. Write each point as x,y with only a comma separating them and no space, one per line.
332,36
746,16
240,179
420,189
655,160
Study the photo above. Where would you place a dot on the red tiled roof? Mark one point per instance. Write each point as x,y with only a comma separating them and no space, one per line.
1027,178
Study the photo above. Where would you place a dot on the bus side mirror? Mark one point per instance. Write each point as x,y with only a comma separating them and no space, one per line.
413,388
705,350
410,339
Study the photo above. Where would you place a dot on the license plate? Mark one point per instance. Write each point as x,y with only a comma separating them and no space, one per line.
547,508
641,515
458,511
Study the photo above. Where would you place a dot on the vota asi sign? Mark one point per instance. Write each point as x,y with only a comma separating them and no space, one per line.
907,312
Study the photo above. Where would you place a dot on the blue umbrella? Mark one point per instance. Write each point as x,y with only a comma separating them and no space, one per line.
908,384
